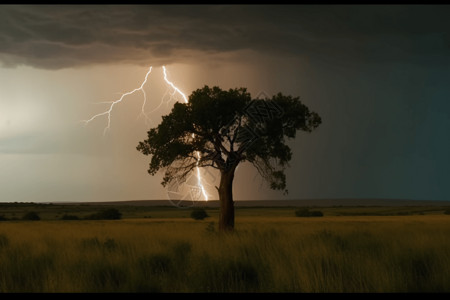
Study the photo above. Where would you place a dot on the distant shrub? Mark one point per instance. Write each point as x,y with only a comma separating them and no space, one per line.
107,214
199,214
316,213
404,213
447,212
110,214
3,218
305,212
31,216
302,212
69,217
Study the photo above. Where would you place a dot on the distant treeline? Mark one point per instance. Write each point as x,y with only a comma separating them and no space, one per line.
398,213
106,214
305,212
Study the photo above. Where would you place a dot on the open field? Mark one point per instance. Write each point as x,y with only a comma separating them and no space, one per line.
161,249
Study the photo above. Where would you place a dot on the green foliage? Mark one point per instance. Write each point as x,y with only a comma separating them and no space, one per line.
305,212
31,216
106,214
226,127
199,214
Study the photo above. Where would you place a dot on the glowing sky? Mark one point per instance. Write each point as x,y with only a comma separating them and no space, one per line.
378,76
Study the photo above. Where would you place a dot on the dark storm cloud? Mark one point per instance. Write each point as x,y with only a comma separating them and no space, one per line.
61,36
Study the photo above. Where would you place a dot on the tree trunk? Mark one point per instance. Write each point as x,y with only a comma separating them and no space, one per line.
226,216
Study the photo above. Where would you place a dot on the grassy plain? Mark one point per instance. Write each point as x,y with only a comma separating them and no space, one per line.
161,249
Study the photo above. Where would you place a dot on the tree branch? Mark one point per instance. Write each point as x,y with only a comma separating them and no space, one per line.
218,143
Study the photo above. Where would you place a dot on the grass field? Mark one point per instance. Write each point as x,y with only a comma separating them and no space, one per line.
163,250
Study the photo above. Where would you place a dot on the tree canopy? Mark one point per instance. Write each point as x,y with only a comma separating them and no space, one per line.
222,128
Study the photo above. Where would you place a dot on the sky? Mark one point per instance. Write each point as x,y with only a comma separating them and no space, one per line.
376,74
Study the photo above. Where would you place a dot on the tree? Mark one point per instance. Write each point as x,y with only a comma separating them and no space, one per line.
31,216
199,214
221,129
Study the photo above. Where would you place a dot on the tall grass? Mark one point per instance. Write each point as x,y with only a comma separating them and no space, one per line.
333,254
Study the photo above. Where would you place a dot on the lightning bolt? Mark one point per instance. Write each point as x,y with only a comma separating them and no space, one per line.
175,89
199,177
108,112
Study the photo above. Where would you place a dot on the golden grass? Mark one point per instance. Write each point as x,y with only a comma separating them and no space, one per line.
278,254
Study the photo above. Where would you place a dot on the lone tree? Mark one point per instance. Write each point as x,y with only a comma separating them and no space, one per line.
221,129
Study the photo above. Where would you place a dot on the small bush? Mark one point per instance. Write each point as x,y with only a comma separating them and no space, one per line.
305,212
447,212
316,213
3,218
199,214
302,212
31,216
110,214
107,214
69,217
404,213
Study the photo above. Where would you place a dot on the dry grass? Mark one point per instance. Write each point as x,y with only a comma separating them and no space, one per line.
278,254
